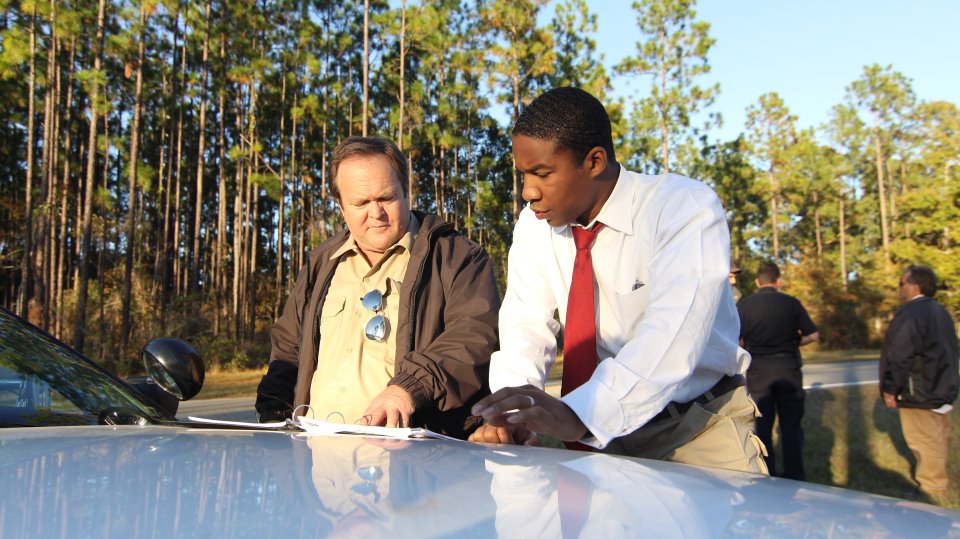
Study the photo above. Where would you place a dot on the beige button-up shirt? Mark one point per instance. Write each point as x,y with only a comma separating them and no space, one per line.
352,369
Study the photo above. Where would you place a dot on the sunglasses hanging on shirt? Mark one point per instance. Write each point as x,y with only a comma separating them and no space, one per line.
376,329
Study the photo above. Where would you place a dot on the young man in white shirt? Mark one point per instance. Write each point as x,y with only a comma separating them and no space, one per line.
664,370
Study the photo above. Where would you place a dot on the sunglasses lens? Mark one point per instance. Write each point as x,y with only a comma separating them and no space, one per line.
370,473
364,488
372,300
376,328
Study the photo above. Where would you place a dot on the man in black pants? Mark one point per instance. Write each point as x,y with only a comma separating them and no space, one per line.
773,327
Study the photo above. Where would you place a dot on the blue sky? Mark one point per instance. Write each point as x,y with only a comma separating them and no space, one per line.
808,51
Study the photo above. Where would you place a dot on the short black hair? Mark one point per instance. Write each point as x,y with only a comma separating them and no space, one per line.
768,273
368,147
923,277
572,118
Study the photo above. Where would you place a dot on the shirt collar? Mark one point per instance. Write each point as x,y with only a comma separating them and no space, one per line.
617,211
405,241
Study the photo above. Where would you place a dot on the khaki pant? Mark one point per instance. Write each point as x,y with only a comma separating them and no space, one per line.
718,434
927,434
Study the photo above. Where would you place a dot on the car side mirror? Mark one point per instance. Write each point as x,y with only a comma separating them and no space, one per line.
175,366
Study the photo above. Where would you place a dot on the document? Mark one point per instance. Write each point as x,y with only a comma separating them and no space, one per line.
243,424
313,426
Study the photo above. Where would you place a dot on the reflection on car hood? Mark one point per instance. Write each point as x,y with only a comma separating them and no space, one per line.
178,482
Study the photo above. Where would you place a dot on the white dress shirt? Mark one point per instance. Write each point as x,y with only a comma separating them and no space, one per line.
667,325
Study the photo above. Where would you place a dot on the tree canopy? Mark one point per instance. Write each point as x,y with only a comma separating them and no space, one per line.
164,166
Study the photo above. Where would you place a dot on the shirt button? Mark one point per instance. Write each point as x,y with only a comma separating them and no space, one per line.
343,390
349,349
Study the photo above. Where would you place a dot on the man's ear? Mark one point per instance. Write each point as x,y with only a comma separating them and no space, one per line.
596,161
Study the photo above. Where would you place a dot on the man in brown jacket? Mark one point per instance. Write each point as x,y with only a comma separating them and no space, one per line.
392,321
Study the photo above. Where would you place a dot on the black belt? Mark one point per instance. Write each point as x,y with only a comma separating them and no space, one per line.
722,387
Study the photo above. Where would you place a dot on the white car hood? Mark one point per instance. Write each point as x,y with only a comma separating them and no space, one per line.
169,482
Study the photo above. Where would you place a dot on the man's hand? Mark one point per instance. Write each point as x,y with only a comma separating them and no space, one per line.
531,409
488,434
391,408
889,400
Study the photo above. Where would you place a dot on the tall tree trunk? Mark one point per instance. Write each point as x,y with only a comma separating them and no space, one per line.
843,241
177,192
26,261
278,282
253,164
64,200
160,274
51,128
127,294
295,176
168,250
101,275
79,326
366,61
254,242
892,193
664,133
413,175
881,191
202,137
441,192
774,216
102,315
219,269
816,223
238,220
403,60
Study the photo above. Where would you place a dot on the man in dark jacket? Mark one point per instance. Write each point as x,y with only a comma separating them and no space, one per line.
392,321
773,327
920,374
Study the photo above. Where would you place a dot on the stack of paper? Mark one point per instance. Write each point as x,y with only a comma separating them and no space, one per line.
313,426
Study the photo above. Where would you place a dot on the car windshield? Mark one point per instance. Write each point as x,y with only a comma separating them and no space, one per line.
43,382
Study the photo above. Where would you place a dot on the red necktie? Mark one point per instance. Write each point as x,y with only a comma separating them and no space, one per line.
580,330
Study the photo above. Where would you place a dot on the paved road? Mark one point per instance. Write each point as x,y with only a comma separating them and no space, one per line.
820,376
849,373
232,409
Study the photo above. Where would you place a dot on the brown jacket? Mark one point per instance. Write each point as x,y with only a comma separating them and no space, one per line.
445,335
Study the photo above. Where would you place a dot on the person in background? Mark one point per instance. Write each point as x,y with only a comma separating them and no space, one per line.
734,273
773,327
391,321
920,375
637,266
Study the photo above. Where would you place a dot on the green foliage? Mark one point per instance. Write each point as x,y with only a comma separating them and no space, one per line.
270,183
519,51
14,53
726,168
290,78
146,177
673,55
577,64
